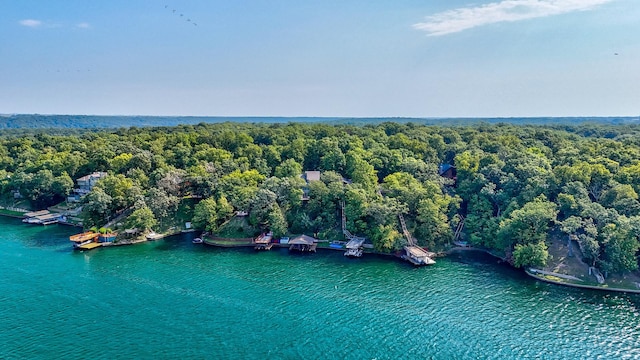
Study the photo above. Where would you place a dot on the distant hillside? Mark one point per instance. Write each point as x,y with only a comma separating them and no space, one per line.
36,121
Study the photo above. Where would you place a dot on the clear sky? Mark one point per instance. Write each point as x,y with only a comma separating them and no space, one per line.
362,58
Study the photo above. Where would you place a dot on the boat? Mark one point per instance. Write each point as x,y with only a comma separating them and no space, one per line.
197,241
153,236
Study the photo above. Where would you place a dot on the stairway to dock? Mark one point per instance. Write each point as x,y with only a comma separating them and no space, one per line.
354,245
413,253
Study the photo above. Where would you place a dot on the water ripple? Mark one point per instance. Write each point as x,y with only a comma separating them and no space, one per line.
198,302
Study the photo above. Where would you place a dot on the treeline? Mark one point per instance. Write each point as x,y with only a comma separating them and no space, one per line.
21,123
516,186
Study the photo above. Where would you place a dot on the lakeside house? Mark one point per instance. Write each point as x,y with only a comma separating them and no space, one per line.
84,185
447,171
309,176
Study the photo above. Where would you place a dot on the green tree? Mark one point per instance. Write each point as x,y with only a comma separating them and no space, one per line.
288,168
141,218
531,254
620,246
205,215
162,204
97,205
529,224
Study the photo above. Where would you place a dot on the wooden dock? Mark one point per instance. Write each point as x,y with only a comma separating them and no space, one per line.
263,242
418,256
354,247
413,253
355,243
89,246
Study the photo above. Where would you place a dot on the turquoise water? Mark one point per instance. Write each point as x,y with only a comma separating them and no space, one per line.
173,299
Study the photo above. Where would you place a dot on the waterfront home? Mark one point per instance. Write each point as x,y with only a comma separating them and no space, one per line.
447,171
85,184
309,176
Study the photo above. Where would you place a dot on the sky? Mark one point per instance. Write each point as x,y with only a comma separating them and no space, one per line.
346,58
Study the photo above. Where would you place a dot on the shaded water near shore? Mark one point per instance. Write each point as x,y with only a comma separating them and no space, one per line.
174,299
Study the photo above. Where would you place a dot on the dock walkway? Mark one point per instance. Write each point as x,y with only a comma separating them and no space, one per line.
355,244
413,253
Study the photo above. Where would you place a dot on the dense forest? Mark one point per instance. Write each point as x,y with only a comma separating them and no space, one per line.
516,187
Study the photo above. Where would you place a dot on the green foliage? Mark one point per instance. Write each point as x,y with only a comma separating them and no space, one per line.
532,254
529,224
97,207
205,215
512,182
288,168
142,219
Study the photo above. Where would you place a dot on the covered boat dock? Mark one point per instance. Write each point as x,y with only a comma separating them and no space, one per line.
354,247
85,241
418,256
303,243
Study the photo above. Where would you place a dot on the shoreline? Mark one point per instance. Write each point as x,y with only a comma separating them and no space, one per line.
22,217
439,254
579,286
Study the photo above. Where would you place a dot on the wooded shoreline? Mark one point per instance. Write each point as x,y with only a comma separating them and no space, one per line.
514,189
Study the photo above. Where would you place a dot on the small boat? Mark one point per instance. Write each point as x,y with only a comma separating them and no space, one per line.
197,241
153,236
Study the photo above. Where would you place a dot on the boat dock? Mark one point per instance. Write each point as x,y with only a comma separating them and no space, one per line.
355,244
263,242
36,213
85,241
354,247
418,256
303,243
42,217
413,253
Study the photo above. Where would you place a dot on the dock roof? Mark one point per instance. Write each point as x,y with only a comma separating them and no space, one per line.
302,240
36,213
83,236
355,243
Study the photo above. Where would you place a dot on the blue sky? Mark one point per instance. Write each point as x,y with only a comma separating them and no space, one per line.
453,58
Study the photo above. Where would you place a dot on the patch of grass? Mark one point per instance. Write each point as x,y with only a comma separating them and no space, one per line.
237,227
10,212
183,214
553,278
331,234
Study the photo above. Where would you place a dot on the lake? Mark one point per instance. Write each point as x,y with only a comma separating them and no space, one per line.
173,299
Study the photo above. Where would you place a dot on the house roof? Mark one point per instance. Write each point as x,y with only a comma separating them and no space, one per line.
97,174
445,167
302,240
312,175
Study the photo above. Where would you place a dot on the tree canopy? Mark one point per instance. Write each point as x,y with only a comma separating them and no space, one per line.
514,185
